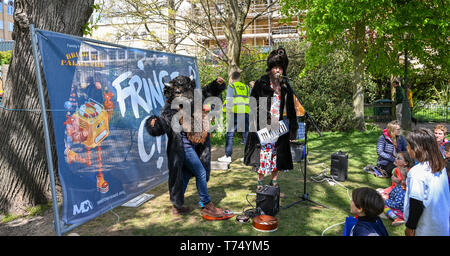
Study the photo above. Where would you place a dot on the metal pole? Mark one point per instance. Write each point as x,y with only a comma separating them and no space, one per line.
406,115
46,133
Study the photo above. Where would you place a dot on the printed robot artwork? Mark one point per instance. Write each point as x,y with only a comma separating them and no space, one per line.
88,125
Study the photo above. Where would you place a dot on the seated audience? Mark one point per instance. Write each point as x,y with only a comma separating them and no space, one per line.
389,143
440,131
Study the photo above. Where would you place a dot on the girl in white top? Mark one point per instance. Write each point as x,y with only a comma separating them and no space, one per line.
427,199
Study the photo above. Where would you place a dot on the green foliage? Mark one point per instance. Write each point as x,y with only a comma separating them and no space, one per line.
253,64
419,26
209,71
5,57
430,85
326,93
90,26
38,210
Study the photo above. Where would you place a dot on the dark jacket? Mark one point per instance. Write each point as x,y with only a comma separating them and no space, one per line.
252,146
369,227
175,147
399,95
385,148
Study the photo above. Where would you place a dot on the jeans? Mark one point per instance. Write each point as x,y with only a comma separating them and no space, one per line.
193,165
230,135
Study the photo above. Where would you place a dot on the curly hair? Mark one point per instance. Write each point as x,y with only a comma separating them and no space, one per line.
440,127
180,86
278,58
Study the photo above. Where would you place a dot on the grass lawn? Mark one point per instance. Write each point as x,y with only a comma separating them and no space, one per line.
229,189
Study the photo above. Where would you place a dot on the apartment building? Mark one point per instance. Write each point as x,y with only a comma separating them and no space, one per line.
264,31
6,21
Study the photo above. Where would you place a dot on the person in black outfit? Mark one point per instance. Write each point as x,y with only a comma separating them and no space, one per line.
188,153
280,106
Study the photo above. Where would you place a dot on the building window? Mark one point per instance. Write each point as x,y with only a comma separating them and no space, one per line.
121,54
131,55
10,26
103,55
85,56
112,54
94,55
11,8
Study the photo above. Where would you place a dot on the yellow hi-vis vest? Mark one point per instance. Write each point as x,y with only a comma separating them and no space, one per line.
241,100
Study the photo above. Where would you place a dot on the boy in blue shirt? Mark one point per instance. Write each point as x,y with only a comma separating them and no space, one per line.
367,204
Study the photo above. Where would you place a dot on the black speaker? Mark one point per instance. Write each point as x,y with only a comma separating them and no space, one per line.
339,165
268,200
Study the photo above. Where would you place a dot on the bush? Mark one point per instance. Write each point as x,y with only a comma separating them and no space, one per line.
5,57
326,92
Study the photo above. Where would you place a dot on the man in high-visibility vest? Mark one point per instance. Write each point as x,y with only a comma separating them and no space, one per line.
236,106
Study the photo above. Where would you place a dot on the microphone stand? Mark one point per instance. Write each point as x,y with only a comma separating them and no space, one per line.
305,196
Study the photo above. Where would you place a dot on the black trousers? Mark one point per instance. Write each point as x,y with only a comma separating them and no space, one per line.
388,168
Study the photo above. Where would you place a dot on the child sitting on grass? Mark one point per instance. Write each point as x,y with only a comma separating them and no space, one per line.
403,162
367,204
395,200
394,195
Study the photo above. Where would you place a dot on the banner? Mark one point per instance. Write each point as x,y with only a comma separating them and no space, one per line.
100,97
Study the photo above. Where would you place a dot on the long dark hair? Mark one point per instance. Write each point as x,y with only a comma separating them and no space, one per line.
426,148
407,158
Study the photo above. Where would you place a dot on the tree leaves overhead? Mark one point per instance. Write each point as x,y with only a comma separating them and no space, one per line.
421,26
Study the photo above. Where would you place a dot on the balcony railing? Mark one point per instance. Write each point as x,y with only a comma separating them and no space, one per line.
263,29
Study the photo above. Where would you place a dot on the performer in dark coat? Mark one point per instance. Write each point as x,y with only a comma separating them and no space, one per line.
188,153
271,157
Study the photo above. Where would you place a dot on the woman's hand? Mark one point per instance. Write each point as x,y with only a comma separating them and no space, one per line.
220,80
410,232
152,123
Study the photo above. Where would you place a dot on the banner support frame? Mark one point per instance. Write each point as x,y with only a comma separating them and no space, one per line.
57,224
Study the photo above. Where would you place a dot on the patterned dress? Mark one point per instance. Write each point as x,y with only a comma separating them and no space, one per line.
396,198
268,153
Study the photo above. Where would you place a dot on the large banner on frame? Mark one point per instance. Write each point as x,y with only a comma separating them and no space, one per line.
100,97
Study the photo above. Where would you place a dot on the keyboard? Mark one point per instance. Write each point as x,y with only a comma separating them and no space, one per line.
265,136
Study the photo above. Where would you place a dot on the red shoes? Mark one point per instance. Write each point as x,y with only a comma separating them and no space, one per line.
210,212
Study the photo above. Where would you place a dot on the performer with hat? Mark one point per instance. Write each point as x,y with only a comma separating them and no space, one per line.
188,151
268,158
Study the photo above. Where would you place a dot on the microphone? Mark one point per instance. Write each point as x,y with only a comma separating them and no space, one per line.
278,75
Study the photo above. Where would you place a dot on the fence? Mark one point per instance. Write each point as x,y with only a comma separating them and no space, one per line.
431,112
422,111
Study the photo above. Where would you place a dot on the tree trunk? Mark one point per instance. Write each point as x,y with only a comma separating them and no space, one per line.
24,178
234,54
406,110
171,26
236,13
358,93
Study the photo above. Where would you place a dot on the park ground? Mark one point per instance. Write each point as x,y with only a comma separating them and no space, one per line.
230,189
